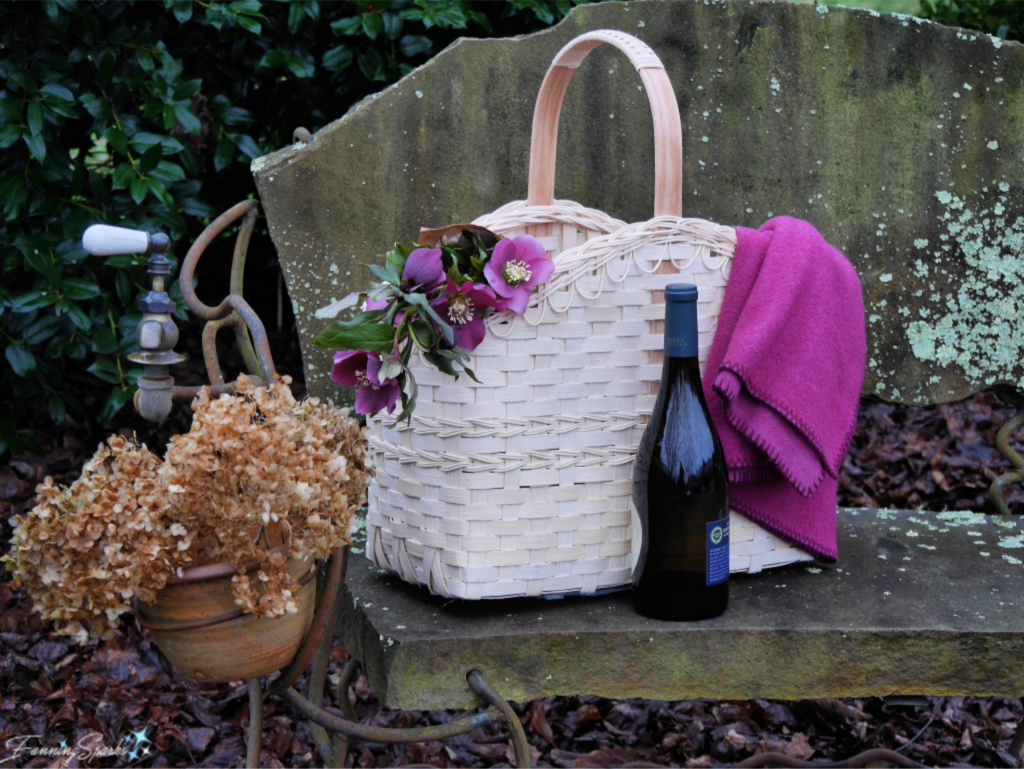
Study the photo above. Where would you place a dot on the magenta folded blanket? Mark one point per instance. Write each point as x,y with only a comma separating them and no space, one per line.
783,379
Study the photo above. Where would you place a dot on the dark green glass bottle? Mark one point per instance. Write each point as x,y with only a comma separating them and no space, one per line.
679,485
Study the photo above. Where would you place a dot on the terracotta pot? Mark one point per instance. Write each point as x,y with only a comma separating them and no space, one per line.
204,634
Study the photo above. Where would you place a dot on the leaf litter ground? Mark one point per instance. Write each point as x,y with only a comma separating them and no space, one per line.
936,458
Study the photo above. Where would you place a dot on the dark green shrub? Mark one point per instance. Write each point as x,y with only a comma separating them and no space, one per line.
147,115
1002,18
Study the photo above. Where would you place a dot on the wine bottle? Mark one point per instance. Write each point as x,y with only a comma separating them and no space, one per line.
679,485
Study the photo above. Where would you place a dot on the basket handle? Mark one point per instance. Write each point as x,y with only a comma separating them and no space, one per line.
668,132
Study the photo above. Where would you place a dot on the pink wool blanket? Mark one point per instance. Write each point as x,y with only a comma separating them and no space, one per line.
783,379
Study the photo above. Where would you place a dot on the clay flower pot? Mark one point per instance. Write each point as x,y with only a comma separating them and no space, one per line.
205,635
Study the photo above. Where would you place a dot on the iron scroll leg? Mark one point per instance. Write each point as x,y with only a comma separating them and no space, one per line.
333,734
252,751
518,735
1014,423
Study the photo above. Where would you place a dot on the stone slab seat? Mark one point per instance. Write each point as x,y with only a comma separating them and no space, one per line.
915,606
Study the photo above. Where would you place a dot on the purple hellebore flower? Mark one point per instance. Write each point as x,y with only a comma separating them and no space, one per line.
358,368
515,267
461,306
424,268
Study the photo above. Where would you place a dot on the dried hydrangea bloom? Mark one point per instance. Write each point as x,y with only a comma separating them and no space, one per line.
256,468
83,552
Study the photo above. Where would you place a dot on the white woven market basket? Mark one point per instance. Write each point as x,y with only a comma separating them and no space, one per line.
520,485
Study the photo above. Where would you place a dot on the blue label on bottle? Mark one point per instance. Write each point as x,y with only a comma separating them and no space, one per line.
718,552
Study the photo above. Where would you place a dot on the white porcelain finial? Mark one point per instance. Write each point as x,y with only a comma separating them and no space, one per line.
104,240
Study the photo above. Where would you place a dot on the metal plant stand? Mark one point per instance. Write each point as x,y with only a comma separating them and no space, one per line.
334,734
156,338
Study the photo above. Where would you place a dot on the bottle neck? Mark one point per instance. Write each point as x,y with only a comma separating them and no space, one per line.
680,330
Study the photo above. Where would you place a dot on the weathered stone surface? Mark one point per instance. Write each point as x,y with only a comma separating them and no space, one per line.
899,139
919,605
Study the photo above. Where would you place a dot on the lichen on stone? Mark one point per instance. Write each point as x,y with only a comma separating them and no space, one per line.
980,327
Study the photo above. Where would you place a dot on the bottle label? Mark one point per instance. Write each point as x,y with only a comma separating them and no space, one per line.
718,552
680,329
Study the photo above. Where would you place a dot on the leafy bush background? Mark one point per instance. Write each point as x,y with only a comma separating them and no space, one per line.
1002,18
147,115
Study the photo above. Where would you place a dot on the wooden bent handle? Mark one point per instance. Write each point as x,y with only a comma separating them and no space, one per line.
668,132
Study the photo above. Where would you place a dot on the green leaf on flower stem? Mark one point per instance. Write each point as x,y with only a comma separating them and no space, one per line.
363,318
408,400
370,337
422,334
469,372
390,365
441,363
420,301
379,273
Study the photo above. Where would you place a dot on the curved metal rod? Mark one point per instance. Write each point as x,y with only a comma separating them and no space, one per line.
861,759
997,490
341,694
485,691
252,751
233,312
328,607
387,734
342,743
248,208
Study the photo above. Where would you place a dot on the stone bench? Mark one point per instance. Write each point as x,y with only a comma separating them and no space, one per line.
899,139
919,604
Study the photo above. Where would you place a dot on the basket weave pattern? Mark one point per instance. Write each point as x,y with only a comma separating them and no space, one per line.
520,485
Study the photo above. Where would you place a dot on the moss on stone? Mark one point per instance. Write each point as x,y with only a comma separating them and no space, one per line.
847,119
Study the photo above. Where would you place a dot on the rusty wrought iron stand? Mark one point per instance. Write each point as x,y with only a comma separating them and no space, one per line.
333,733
